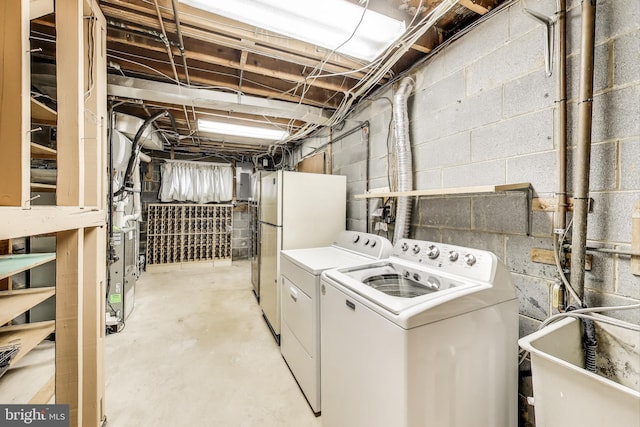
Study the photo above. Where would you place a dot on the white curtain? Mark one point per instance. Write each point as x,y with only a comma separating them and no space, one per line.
196,182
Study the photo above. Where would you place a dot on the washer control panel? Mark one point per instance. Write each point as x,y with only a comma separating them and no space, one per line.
364,243
467,262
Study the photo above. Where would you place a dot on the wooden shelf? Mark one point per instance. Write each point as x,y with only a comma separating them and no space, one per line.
47,188
19,222
41,152
15,302
42,114
449,191
28,335
13,264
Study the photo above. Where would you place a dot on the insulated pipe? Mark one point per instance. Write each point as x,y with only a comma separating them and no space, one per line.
583,149
403,158
561,82
135,147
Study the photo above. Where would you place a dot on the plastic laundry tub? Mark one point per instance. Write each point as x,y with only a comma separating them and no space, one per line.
565,394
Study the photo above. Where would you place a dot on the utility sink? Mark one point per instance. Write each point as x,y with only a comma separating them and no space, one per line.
565,394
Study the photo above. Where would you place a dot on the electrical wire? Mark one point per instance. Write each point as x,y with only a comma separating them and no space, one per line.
585,313
581,313
557,247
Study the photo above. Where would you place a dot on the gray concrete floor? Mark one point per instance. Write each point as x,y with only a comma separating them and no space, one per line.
197,352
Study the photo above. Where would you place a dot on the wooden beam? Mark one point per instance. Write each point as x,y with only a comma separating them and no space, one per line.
449,191
240,65
94,277
542,204
545,256
14,102
69,323
469,4
225,32
18,222
71,90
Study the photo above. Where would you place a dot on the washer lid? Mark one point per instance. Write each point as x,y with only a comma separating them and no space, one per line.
316,260
398,294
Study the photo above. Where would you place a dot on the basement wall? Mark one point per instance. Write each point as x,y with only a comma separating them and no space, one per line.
483,112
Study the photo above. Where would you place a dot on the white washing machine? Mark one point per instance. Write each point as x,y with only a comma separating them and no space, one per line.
427,337
300,305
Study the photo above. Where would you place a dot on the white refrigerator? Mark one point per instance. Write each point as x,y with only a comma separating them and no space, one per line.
297,210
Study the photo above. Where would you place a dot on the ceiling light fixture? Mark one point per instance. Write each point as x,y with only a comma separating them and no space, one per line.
241,130
326,23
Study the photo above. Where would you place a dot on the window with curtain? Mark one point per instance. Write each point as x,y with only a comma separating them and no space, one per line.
196,182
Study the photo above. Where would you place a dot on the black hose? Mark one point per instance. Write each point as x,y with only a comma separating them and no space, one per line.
590,344
135,148
589,341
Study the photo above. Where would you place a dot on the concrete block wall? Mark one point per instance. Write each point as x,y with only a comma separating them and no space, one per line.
484,112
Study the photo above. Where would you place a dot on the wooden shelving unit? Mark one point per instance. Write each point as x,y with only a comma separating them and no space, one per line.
78,218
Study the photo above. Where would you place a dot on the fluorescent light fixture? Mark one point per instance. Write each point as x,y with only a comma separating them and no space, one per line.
241,130
326,23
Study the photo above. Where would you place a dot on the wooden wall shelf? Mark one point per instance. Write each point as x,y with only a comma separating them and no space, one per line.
28,335
14,264
448,191
42,114
41,152
47,188
19,222
15,302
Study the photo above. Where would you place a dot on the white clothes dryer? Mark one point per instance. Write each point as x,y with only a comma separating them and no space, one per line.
300,294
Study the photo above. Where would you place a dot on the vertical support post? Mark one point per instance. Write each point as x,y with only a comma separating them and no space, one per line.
93,327
15,103
71,87
69,315
95,152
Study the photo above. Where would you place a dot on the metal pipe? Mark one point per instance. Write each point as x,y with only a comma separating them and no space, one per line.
583,149
561,81
173,64
176,18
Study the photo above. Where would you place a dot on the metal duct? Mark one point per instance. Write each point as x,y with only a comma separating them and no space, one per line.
403,158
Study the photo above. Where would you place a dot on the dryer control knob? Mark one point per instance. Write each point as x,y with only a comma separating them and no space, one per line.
470,259
366,242
356,238
453,256
416,249
433,252
404,247
373,243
